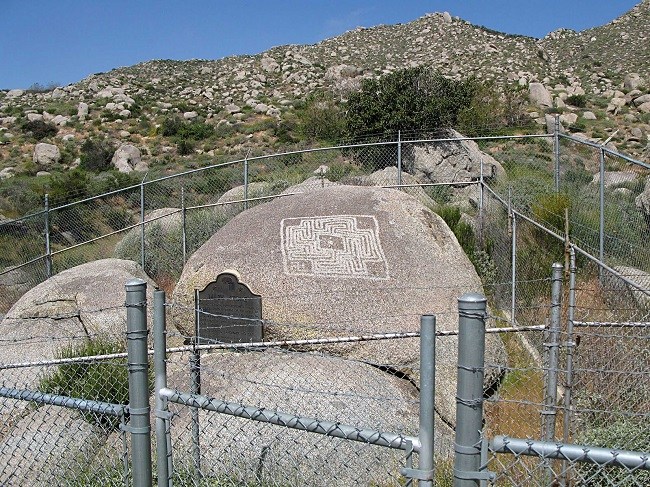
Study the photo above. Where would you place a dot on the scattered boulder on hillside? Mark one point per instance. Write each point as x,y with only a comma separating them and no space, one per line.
127,158
633,81
45,155
82,111
451,161
72,306
344,260
642,201
539,95
312,385
615,178
637,295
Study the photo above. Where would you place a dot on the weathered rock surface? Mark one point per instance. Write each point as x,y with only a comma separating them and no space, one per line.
127,158
45,155
344,260
47,446
309,384
72,306
388,177
642,201
539,95
451,162
615,178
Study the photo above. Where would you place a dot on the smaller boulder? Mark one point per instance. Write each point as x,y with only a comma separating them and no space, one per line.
539,95
45,155
127,158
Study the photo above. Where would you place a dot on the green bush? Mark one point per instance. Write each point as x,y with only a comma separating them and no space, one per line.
579,101
413,99
105,381
625,434
39,129
321,118
96,155
185,147
69,186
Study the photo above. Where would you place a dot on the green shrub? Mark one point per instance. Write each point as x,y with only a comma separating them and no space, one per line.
625,434
96,155
579,101
185,147
321,118
39,129
105,381
170,126
68,186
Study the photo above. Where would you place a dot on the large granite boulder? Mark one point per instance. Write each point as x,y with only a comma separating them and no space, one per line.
345,261
304,384
49,446
450,161
388,177
642,201
72,306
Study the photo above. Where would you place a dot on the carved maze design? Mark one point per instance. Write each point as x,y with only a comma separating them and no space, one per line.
333,246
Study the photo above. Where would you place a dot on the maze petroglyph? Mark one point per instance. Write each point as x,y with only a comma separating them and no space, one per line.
333,246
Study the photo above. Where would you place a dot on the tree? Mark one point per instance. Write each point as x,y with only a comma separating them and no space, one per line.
413,99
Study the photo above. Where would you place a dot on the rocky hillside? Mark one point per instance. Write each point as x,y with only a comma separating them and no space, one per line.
598,80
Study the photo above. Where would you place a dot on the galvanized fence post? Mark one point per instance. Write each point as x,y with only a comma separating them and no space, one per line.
163,438
427,398
552,346
469,390
139,427
184,225
399,157
601,218
246,183
481,209
570,346
142,238
556,148
195,388
513,255
48,250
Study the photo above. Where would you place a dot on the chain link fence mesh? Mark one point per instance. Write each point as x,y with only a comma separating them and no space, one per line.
608,348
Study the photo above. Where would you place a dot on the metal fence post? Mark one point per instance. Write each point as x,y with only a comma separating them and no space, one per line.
513,256
469,390
195,388
556,148
601,219
427,397
139,427
142,240
399,157
570,345
48,250
481,209
184,225
163,452
552,345
246,183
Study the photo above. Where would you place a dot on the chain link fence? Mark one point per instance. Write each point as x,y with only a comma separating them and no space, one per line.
584,209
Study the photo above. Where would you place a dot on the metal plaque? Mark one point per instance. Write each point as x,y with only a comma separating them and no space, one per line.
228,312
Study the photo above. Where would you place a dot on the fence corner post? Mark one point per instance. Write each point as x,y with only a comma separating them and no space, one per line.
469,390
139,424
552,346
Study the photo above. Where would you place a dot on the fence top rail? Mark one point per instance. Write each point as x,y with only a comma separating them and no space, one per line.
574,453
605,149
100,407
312,425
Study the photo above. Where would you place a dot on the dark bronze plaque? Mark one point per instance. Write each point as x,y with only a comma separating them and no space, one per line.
229,312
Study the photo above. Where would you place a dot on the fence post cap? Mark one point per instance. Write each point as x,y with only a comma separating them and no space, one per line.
472,298
135,282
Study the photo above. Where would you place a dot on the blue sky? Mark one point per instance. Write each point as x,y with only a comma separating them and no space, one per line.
63,41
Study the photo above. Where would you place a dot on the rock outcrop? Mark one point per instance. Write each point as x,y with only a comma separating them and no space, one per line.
344,260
